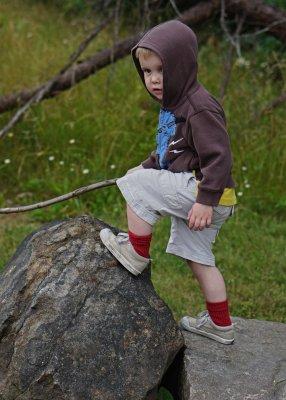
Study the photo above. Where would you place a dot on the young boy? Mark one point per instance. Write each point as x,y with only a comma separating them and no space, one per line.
187,177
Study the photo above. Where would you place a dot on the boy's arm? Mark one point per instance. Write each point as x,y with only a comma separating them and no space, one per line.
151,161
212,144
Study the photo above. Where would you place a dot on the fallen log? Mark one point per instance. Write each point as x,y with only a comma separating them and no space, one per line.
257,14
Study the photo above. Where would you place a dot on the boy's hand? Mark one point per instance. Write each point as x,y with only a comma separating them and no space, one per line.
200,216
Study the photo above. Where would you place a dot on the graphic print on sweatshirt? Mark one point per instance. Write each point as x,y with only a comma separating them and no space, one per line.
165,132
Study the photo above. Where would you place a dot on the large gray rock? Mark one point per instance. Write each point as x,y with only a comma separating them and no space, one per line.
254,368
75,325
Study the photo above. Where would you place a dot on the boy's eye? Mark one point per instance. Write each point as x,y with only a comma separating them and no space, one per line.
146,71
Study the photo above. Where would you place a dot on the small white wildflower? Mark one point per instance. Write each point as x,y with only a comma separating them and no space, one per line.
240,194
65,41
247,185
29,35
7,161
72,141
71,169
61,162
242,62
244,168
10,134
263,65
51,158
112,166
85,171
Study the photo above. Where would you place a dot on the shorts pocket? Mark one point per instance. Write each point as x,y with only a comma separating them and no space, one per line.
220,215
224,211
168,187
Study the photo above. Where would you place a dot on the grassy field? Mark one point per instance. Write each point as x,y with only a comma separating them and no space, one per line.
106,125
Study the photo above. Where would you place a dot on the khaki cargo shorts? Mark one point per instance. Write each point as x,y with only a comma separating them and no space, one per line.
153,194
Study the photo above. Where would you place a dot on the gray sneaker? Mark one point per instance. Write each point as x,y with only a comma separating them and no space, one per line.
203,325
123,250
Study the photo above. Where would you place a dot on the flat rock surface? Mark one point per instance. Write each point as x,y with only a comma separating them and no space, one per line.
253,368
75,325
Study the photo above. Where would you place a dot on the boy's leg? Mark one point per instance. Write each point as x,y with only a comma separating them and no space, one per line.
196,247
211,281
215,323
140,233
132,249
213,287
136,224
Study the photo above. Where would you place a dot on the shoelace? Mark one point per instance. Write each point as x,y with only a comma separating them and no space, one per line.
122,237
202,318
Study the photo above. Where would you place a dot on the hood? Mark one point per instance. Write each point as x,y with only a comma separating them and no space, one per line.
176,45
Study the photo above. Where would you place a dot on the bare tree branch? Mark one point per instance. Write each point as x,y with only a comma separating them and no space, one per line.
147,14
234,45
273,104
76,193
46,88
260,14
264,30
226,73
224,27
175,7
233,39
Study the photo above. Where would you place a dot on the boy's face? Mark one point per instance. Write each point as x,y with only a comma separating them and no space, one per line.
153,74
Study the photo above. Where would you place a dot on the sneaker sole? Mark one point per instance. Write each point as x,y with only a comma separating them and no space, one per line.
207,334
119,257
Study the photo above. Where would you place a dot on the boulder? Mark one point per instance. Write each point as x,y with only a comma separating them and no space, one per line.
75,325
253,368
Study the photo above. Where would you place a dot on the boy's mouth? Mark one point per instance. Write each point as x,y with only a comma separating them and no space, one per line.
157,91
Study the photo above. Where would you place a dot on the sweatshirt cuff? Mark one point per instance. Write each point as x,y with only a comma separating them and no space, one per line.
208,198
149,164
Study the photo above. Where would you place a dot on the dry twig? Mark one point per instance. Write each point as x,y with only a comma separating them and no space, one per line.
64,197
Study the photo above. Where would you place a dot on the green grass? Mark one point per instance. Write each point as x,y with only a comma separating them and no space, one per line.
112,122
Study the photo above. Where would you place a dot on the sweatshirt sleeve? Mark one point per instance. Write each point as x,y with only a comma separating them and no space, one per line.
151,161
212,144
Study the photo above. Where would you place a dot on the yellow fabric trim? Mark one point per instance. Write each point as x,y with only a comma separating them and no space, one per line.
228,197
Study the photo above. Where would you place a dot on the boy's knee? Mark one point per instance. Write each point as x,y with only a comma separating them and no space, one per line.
198,268
192,266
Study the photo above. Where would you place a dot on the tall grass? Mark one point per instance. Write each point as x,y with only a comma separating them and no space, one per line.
106,124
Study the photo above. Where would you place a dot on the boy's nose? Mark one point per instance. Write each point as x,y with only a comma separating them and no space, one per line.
155,78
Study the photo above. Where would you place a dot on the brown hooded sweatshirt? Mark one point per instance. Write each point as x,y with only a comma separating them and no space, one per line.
201,125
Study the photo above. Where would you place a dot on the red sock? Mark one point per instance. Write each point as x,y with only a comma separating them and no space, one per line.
219,313
141,244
